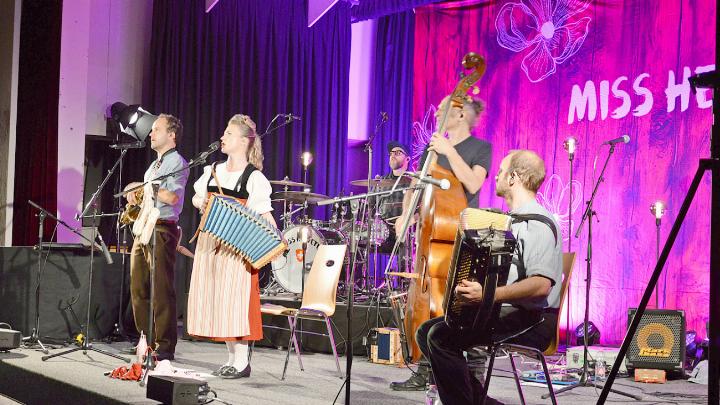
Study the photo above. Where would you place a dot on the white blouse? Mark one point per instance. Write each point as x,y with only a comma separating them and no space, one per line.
258,186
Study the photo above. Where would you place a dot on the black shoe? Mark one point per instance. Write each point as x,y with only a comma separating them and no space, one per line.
160,356
231,373
417,382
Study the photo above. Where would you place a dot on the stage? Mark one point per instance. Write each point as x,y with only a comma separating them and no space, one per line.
78,378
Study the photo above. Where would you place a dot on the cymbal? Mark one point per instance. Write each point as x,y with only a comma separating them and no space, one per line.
289,183
374,182
298,196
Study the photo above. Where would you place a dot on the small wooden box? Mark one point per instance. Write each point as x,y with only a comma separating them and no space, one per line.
650,376
388,349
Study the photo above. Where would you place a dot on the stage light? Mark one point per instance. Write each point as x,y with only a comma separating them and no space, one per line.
658,209
133,120
593,335
570,145
306,159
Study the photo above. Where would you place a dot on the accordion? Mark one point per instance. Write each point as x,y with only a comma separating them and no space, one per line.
483,251
242,230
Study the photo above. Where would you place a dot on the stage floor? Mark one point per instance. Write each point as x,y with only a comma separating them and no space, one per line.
78,378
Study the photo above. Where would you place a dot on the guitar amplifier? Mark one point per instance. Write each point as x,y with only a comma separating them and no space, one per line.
659,342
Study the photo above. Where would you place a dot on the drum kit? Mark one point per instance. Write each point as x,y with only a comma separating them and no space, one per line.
360,223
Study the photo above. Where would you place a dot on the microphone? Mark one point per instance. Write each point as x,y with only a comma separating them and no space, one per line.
291,117
622,139
201,157
128,145
443,184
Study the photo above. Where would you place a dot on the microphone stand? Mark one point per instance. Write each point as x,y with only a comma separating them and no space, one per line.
86,345
588,216
151,309
270,129
351,287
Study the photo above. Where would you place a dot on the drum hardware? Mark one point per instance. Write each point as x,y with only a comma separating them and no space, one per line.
299,197
373,183
286,182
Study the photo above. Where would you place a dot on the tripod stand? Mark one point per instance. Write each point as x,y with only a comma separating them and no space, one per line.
86,345
34,338
588,216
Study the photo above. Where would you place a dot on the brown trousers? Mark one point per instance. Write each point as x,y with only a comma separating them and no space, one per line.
165,331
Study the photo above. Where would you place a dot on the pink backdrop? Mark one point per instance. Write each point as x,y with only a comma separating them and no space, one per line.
596,72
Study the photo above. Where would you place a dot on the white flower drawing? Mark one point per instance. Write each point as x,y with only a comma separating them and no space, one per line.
551,28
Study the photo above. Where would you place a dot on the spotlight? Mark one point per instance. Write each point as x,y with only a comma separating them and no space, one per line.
570,145
658,209
593,335
133,120
306,158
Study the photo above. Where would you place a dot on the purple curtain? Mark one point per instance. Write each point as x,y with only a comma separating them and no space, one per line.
260,59
392,88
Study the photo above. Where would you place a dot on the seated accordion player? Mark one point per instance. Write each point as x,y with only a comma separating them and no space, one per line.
483,251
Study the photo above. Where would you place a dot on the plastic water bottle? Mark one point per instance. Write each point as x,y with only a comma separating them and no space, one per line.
431,396
600,369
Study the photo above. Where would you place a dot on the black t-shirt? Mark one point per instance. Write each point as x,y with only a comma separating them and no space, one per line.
475,152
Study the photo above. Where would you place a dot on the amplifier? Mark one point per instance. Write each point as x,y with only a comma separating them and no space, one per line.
387,349
9,339
173,390
659,342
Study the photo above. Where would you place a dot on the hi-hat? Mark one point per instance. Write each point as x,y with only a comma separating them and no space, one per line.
298,197
374,182
289,183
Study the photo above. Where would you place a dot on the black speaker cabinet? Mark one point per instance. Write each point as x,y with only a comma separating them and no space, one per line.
659,342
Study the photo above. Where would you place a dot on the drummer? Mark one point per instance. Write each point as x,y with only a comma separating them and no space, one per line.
391,206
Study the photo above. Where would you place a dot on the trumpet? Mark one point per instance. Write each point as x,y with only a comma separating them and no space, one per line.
131,211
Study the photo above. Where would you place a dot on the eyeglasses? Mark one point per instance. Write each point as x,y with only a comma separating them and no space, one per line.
397,152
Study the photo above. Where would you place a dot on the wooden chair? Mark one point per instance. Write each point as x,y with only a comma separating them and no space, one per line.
318,303
515,349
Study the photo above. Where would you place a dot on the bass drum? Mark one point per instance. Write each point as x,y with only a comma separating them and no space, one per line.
287,268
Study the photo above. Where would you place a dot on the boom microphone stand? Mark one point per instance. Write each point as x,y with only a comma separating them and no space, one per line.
588,216
34,338
86,345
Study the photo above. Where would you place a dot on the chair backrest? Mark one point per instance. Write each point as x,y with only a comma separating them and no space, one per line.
568,264
321,284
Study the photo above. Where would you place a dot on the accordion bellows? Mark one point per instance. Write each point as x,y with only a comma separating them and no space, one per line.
242,230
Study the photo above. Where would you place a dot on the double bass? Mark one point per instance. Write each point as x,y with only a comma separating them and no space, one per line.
438,223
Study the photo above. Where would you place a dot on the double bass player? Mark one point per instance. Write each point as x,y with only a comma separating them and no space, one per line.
467,160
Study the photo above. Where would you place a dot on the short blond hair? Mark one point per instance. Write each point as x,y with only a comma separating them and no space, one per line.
529,168
247,127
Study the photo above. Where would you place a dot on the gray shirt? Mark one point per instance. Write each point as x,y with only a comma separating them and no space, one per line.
171,161
539,253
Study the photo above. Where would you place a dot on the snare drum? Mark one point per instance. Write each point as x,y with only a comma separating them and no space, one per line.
287,267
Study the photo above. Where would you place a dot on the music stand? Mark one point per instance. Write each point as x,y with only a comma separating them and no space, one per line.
588,216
